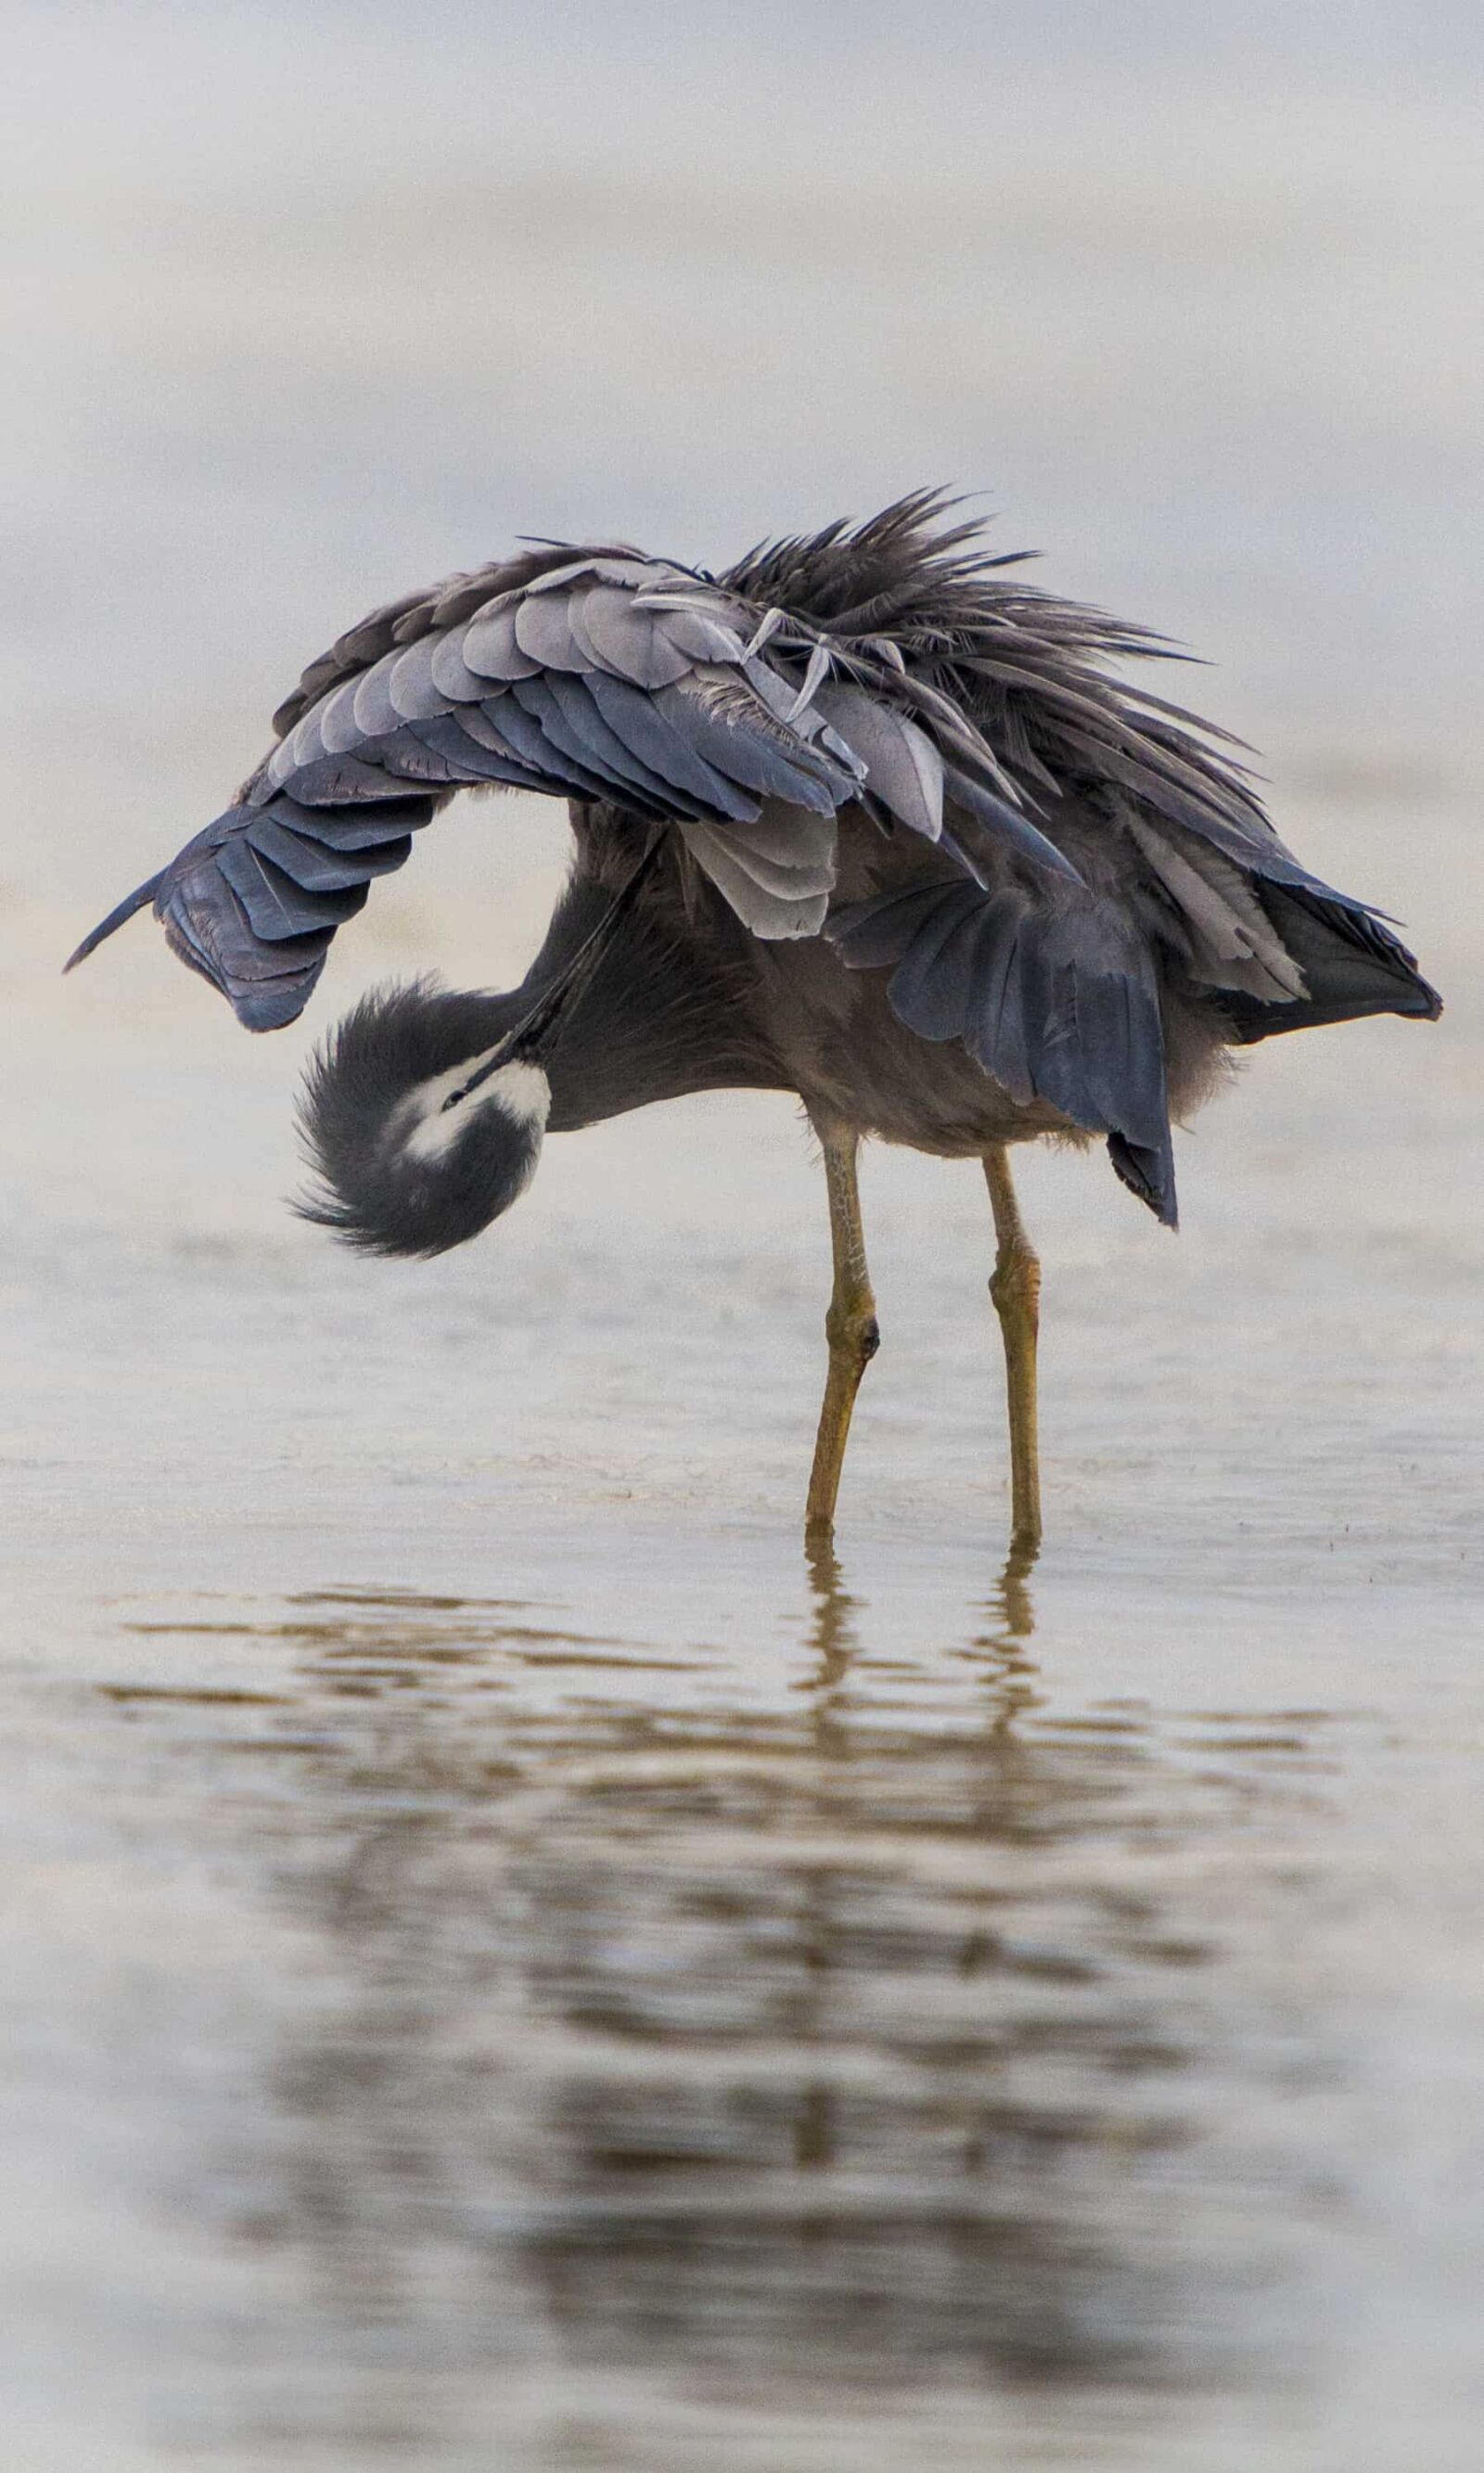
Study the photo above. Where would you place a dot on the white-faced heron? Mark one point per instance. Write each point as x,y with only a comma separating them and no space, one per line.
864,818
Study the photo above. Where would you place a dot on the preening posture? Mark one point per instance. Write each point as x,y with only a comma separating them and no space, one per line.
865,818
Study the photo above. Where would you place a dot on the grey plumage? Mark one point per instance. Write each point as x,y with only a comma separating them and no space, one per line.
871,751
1057,999
902,766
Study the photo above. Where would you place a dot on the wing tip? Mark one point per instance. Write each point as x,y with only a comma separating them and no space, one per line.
119,917
259,1012
1149,1174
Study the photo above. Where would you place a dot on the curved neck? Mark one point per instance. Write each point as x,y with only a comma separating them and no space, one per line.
660,1017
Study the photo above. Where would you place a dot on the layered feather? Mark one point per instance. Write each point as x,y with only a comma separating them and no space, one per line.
1056,999
881,679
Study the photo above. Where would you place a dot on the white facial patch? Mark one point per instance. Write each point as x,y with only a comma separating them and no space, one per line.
520,1092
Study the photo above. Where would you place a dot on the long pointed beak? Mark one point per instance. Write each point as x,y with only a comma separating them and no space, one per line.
529,1033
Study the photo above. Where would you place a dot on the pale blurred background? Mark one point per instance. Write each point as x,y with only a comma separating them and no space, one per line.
474,2077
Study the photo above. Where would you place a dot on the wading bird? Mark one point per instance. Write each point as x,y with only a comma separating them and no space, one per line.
865,818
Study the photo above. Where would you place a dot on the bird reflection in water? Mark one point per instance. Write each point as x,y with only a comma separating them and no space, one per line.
834,1647
812,2040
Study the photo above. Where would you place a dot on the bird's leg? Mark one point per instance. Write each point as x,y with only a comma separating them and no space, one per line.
1015,1289
849,1325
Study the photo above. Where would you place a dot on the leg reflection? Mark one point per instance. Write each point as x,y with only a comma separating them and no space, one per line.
832,1631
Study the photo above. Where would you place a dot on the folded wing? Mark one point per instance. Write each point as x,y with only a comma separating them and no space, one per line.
1056,999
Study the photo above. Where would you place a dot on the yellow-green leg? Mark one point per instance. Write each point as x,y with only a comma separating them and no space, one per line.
851,1325
1015,1289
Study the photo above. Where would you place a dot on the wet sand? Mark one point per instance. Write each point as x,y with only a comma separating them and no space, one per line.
506,1962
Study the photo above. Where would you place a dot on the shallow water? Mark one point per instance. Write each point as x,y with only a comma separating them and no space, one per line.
638,1994
507,1963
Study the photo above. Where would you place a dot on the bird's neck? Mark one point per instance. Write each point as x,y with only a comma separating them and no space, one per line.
660,1017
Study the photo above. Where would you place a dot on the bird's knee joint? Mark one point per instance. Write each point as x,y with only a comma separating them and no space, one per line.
852,1333
1015,1281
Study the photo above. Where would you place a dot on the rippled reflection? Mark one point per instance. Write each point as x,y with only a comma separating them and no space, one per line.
872,2035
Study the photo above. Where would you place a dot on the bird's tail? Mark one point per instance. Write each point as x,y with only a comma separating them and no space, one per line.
1351,962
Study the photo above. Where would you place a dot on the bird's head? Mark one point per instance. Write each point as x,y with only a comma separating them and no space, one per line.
424,1113
423,1118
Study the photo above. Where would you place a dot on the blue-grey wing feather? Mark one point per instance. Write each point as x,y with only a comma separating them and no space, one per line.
1057,999
600,772
600,746
319,867
890,670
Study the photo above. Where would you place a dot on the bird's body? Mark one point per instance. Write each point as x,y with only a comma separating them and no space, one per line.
863,819
688,1001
